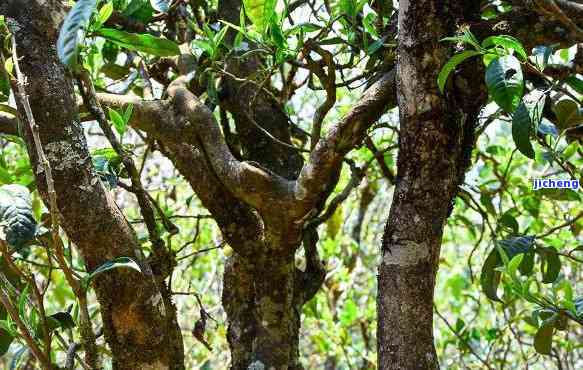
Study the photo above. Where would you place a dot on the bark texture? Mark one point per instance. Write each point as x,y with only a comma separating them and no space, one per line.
435,143
138,316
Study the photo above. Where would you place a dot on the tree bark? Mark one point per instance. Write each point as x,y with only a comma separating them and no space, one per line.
435,143
139,318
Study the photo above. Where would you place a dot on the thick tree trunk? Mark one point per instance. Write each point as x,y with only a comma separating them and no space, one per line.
139,319
263,298
436,139
263,321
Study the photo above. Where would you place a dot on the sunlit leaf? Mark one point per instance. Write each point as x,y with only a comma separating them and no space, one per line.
453,62
508,42
260,12
140,42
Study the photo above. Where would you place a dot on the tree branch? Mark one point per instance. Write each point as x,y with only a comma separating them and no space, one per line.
182,118
326,159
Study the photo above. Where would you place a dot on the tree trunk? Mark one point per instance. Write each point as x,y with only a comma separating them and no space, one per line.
139,318
435,143
263,298
263,322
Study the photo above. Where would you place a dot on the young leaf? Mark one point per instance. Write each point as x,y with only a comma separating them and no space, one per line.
119,262
140,42
127,114
203,45
260,12
505,82
104,14
514,264
73,31
507,42
521,129
118,121
450,66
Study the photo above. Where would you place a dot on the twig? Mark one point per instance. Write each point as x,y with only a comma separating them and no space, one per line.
565,224
461,338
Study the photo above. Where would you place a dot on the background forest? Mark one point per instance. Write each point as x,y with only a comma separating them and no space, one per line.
509,291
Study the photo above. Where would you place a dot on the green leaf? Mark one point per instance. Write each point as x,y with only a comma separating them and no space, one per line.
507,42
450,66
551,264
277,34
302,27
160,5
203,45
23,302
514,264
104,13
486,201
5,339
527,264
509,221
490,277
521,129
511,247
120,262
127,114
466,37
349,312
576,83
260,12
568,113
505,82
140,42
140,10
118,121
73,31
16,214
543,339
